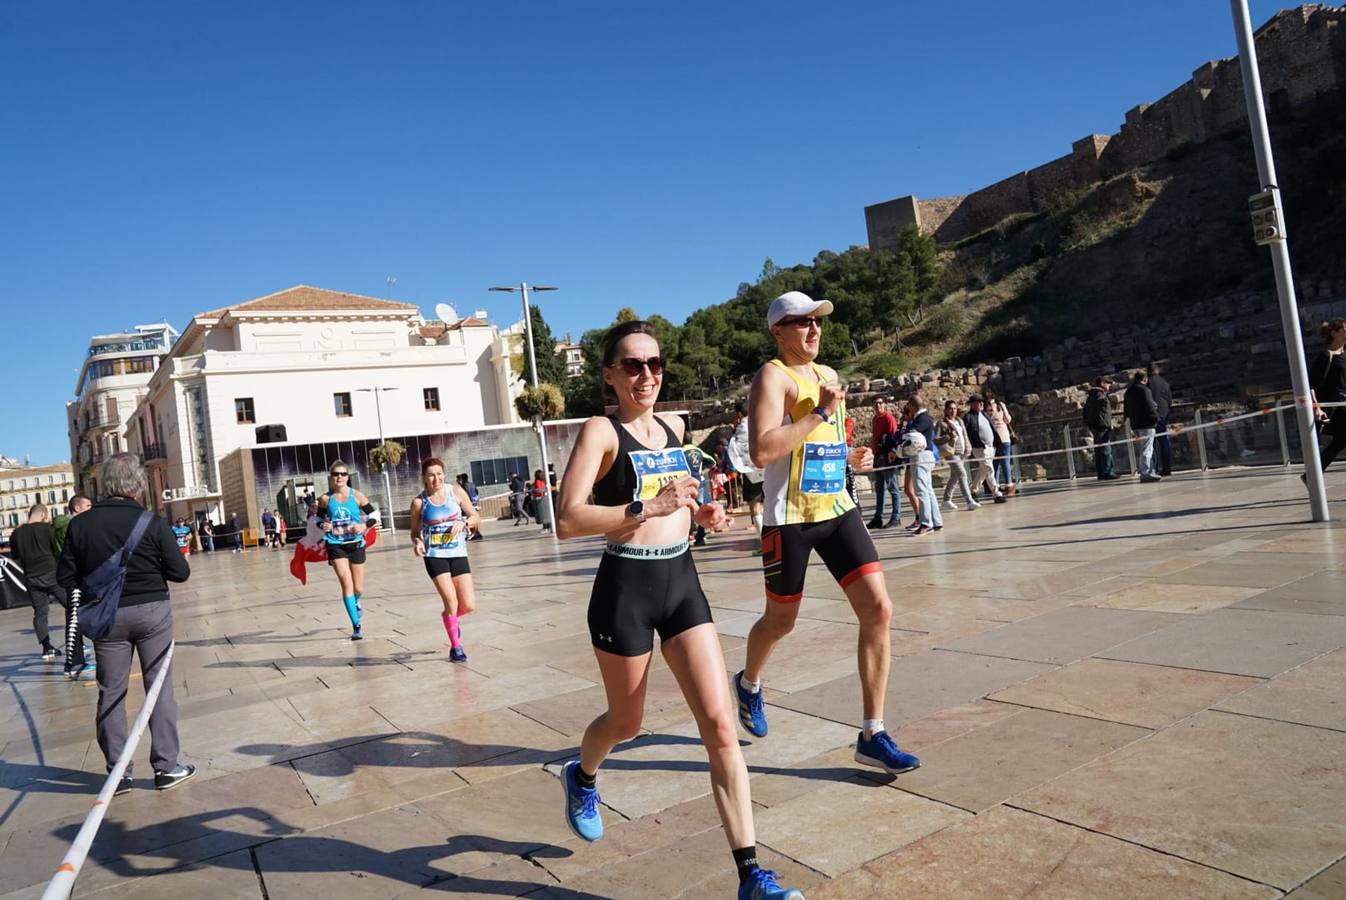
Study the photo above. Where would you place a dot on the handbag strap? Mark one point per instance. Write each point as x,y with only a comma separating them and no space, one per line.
137,533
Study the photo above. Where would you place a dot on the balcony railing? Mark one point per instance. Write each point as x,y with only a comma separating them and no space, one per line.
155,451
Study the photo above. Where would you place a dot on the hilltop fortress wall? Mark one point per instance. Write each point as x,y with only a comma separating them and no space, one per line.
1301,52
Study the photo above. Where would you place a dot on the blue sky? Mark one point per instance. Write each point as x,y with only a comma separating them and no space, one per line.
165,158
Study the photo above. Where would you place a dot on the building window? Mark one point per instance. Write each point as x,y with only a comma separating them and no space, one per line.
243,411
486,472
65,495
431,399
342,403
51,497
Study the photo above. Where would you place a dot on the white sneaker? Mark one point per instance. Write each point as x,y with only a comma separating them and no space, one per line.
949,504
973,504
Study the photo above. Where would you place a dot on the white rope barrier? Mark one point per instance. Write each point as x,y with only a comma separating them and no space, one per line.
1173,431
63,882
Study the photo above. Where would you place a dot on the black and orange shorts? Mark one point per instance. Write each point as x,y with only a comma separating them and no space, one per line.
843,544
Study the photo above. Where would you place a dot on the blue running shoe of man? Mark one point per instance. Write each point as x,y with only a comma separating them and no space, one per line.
882,752
762,885
751,711
581,805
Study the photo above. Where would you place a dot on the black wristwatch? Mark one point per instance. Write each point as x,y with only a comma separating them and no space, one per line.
818,410
636,508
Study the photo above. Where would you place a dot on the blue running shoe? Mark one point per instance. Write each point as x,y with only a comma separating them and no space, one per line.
457,654
762,885
882,752
751,711
356,634
581,805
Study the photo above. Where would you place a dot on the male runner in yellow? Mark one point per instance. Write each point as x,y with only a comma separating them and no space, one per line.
796,432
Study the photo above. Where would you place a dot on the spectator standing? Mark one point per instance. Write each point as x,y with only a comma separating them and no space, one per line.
1098,419
1142,413
981,438
883,444
540,490
951,438
269,528
517,498
237,529
144,620
33,546
281,528
1163,401
474,533
78,504
1327,380
1002,423
741,460
928,516
207,536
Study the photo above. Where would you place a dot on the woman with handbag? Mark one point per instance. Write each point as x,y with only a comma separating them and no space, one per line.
143,621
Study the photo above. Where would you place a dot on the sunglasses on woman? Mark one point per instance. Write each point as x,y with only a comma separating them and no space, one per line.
341,474
633,367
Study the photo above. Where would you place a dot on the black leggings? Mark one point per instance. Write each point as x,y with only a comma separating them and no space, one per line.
1337,428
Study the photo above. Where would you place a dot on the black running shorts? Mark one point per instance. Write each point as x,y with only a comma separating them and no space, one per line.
355,552
436,566
634,598
843,544
752,491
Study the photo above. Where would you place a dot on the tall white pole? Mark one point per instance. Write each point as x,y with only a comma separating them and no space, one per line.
1280,261
537,420
387,485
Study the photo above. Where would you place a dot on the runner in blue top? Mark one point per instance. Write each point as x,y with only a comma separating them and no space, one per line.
343,514
442,517
182,533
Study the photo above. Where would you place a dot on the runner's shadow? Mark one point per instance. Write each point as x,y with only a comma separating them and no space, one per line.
280,848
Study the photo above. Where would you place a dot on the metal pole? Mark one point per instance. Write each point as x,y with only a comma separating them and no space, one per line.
1280,432
1280,261
537,420
1131,448
1201,442
387,485
1070,452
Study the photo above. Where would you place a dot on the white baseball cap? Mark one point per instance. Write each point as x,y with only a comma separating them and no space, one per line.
796,303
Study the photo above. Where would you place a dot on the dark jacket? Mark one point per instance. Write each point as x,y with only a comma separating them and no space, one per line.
1098,409
926,426
1139,407
1163,395
33,546
971,421
97,534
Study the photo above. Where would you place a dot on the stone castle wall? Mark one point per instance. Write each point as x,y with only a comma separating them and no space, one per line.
1301,53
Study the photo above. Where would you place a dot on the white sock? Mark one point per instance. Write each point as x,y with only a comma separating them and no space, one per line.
872,726
752,687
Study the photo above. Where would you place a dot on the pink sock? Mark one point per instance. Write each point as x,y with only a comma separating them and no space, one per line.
451,626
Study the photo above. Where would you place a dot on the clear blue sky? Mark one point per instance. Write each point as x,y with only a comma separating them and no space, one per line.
165,158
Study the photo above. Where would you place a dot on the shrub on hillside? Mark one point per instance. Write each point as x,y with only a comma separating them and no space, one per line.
943,323
995,343
885,365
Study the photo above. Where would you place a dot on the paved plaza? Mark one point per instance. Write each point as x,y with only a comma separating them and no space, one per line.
1117,690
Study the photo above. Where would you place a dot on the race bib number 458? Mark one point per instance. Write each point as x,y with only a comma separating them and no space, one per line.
656,468
824,469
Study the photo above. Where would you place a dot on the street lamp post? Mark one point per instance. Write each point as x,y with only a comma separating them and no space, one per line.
1280,261
387,485
537,420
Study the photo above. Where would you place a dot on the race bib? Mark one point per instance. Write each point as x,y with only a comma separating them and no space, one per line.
656,468
443,539
824,469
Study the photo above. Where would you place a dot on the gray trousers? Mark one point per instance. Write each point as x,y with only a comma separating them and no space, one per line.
958,478
148,630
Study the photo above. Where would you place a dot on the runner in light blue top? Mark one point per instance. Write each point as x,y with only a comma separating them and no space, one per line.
442,517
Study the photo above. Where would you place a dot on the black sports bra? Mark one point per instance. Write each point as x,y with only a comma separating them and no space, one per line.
619,486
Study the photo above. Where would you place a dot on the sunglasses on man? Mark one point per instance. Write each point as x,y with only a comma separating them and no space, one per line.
802,322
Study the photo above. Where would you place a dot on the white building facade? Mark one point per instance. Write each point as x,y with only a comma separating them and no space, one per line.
324,366
23,486
111,383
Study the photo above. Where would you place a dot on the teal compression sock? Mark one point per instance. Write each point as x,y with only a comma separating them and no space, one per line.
352,609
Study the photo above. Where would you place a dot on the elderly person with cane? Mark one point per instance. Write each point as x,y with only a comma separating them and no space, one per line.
144,619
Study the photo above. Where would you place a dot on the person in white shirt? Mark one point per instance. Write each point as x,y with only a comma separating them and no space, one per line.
981,439
951,437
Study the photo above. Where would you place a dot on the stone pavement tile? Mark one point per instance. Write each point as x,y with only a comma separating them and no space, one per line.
1237,641
988,766
818,828
1130,693
789,874
1008,854
516,877
1160,596
572,712
918,685
951,722
475,695
657,771
1310,695
806,776
623,839
1063,635
1203,790
943,624
1329,884
230,877
1324,594
1239,574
